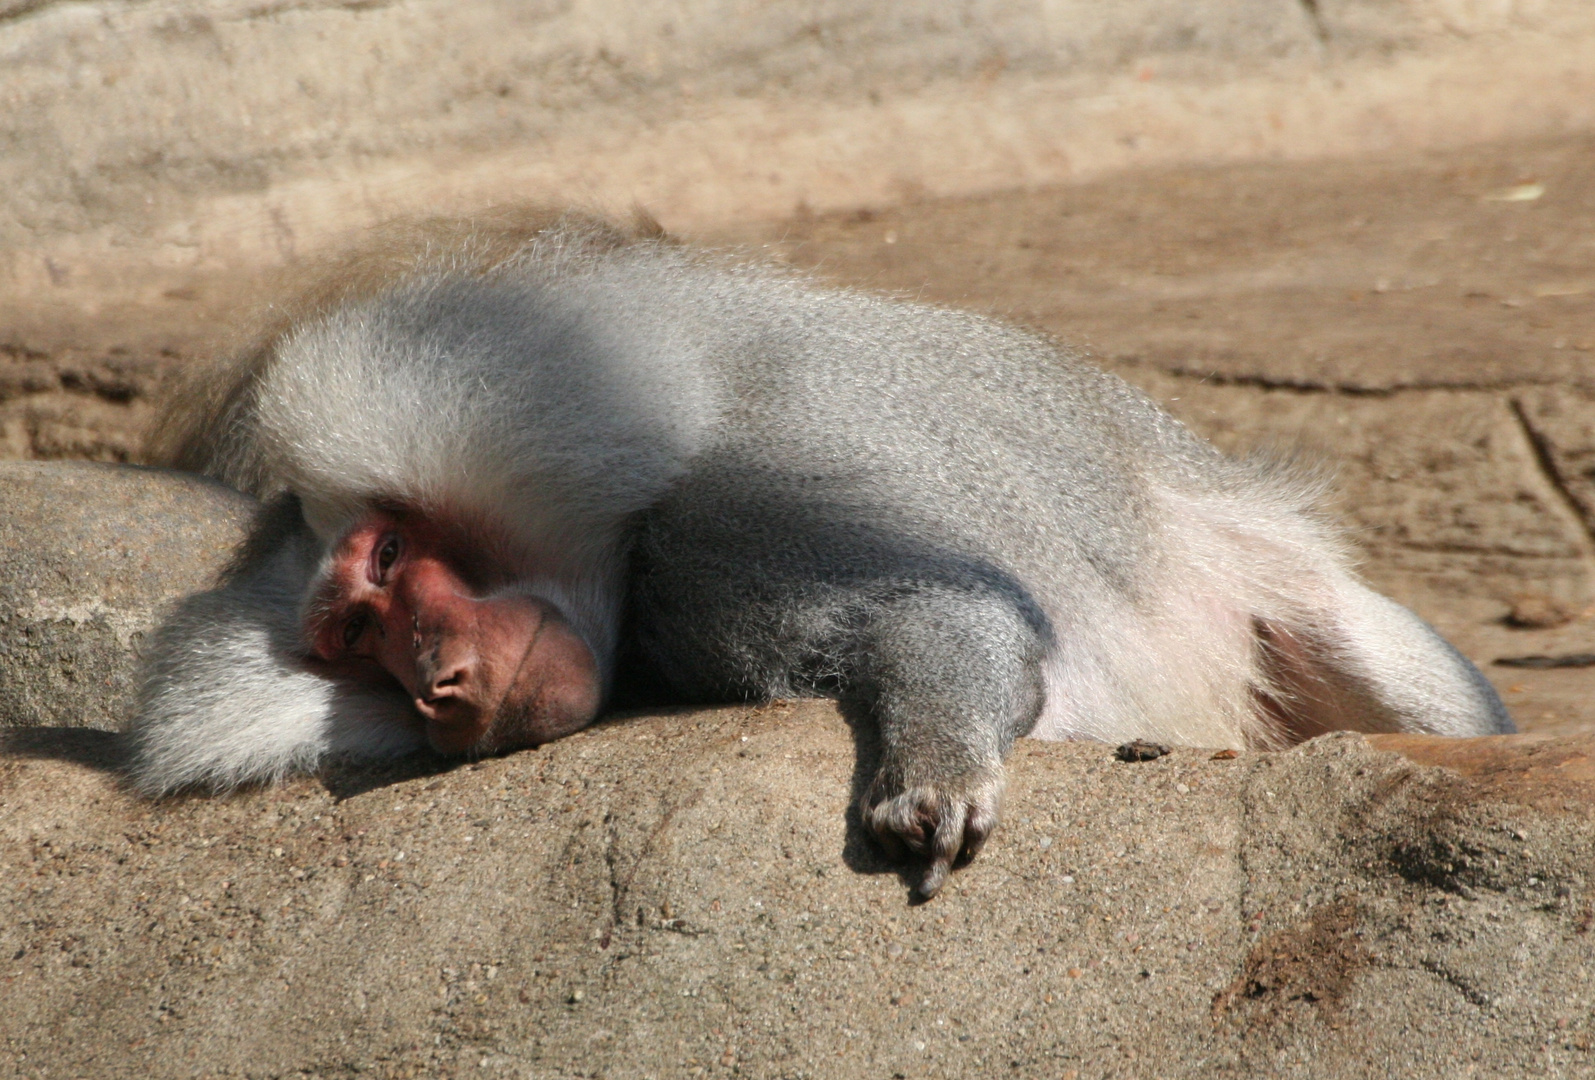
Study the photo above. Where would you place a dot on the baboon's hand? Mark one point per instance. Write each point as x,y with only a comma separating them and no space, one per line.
944,822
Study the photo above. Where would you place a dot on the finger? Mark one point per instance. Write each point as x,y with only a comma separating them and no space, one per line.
898,826
907,821
944,849
935,877
982,821
885,835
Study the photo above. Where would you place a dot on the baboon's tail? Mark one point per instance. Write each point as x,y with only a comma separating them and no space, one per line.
1365,663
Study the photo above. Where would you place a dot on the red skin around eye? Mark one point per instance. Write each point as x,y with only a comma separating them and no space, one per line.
487,671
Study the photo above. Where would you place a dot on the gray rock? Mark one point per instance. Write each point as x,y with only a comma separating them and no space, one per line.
94,555
689,895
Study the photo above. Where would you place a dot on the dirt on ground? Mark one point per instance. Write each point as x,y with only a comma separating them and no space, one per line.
1421,324
690,895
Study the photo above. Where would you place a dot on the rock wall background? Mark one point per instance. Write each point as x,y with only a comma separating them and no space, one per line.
152,148
221,130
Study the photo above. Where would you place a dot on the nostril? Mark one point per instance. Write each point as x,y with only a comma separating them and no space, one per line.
449,682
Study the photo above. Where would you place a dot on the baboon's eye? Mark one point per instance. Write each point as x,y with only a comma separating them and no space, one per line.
387,555
355,628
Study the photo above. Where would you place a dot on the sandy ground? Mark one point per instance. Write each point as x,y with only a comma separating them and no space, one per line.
688,895
1423,325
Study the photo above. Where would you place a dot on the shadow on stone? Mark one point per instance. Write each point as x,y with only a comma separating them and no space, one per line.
860,851
348,779
99,750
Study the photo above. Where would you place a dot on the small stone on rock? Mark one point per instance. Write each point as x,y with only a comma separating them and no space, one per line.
1140,750
1536,611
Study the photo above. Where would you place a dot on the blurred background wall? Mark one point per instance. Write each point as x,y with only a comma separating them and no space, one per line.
162,160
209,134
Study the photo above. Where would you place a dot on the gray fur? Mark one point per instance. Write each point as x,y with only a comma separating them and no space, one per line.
228,696
759,487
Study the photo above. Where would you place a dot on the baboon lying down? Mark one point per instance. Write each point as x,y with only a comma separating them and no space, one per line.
511,460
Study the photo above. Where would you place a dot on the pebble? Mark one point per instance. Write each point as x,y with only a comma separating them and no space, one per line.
1140,750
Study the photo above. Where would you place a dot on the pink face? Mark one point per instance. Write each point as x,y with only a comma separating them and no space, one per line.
488,669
